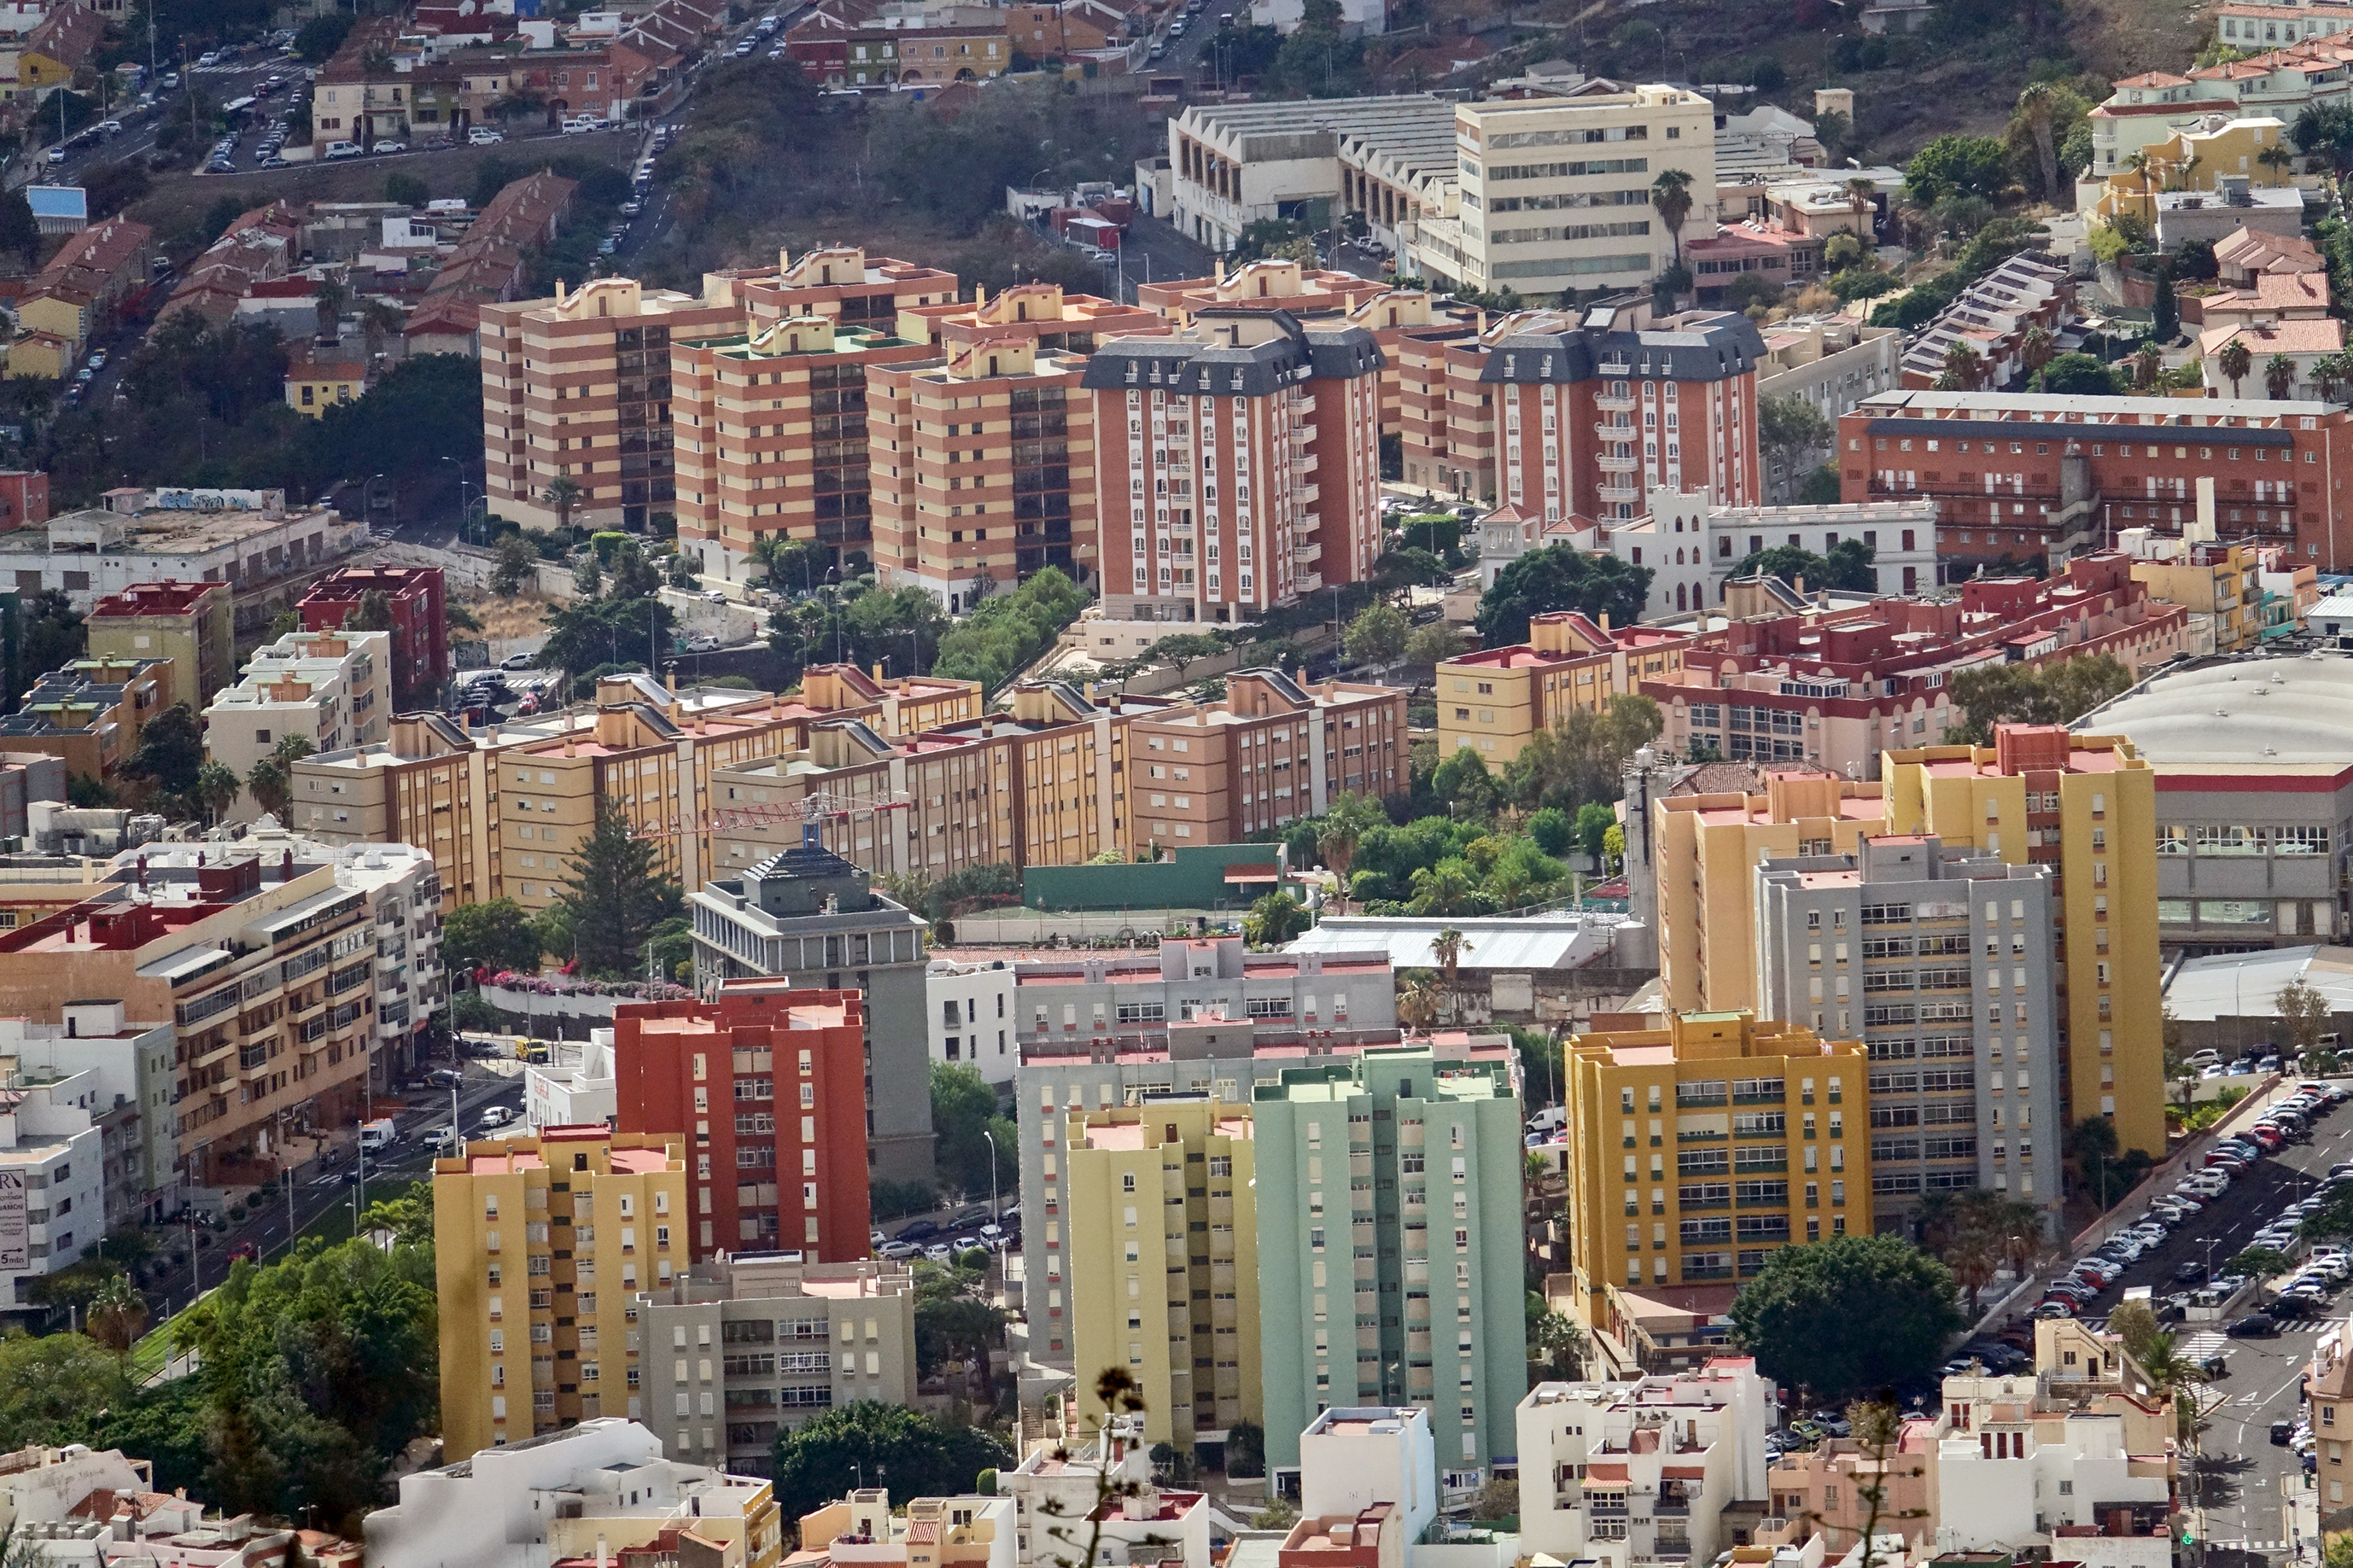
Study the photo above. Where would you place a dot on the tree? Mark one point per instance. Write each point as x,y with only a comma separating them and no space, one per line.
1343,828
518,564
493,936
269,786
372,614
1964,365
1790,429
20,233
2039,107
963,1118
1378,636
1847,568
2278,160
169,751
563,493
1671,197
2279,377
1180,649
1979,1231
2167,325
2236,359
1435,644
1848,1313
1956,165
1463,782
2258,1263
216,788
1274,920
1560,577
53,1386
2332,1220
1448,947
2148,361
2078,375
117,1314
2135,1323
2035,347
821,1460
1245,1450
2058,692
1556,1342
616,895
588,576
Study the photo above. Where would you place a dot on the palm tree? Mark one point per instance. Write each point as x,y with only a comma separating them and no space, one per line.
1671,195
1445,888
562,493
217,787
2279,377
2278,160
2035,348
2137,162
1860,194
1448,947
2037,106
269,784
2173,1374
117,1313
2236,360
1343,826
2148,364
1416,1003
1967,366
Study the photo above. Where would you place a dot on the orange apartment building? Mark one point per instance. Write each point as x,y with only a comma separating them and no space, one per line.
983,471
1056,321
843,284
1284,495
89,712
1583,416
1271,753
770,437
1495,699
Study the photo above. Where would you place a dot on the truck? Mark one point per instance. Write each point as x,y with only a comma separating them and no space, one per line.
377,1135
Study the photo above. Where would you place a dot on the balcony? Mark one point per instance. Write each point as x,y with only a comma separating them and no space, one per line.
1616,430
1305,407
1612,462
1617,493
1306,494
1610,403
1307,582
1306,554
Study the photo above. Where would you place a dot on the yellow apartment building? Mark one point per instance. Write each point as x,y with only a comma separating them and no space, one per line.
1162,1244
1698,1148
1705,849
1495,699
2086,807
2220,585
190,625
540,1244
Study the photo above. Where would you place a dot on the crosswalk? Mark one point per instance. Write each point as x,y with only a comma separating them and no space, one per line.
2204,1342
2247,1546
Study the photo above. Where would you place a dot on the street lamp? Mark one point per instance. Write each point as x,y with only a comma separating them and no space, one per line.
992,1174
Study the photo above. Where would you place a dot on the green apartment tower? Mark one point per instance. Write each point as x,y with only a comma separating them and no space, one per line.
1389,1249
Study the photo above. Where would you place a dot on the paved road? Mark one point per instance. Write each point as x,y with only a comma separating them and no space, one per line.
2238,1474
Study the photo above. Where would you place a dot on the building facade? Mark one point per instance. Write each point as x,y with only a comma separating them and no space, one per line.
416,598
972,1019
192,624
331,691
618,1205
781,1161
1270,753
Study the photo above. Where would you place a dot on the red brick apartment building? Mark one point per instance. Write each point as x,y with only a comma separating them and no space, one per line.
767,1086
2022,479
420,623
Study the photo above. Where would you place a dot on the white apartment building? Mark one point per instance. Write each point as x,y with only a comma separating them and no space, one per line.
972,1017
124,1071
1832,362
331,689
603,1484
2086,1471
860,1531
1055,1488
1618,1473
575,1088
1351,1458
403,886
243,538
52,1183
1554,193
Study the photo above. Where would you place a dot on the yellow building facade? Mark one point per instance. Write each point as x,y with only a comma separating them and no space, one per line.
1698,1148
539,1245
2086,807
2194,158
2220,582
1495,699
1163,1250
1706,849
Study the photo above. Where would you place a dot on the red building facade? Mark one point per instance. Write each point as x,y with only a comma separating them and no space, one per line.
767,1086
420,623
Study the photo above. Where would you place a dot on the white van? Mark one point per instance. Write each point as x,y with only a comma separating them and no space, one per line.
377,1135
1551,1119
343,149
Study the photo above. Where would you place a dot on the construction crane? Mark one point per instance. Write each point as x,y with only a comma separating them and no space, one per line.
814,812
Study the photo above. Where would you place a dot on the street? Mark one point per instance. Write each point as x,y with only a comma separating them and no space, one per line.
2237,1472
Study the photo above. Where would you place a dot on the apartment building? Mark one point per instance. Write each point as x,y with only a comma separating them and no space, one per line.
1761,1160
1832,362
1512,175
1434,1291
89,713
2034,478
1060,781
1163,1245
771,1169
1991,317
127,1067
1827,1490
787,1339
1270,752
1232,164
1942,963
840,282
1212,981
332,689
1691,546
2215,585
52,1156
1654,1470
1058,321
807,913
2255,806
85,286
578,387
963,1531
615,1485
190,626
771,436
972,1018
2040,795
416,598
264,964
1835,688
983,469
504,809
1054,1488
1265,400
1495,700
597,1194
1565,415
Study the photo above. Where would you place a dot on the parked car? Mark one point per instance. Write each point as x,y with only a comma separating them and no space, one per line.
392,147
483,136
2190,1272
343,149
445,1078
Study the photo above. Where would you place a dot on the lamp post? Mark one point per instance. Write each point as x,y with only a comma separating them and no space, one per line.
992,1174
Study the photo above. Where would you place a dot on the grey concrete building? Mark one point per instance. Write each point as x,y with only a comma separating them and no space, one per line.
761,1342
811,916
2254,756
1940,961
